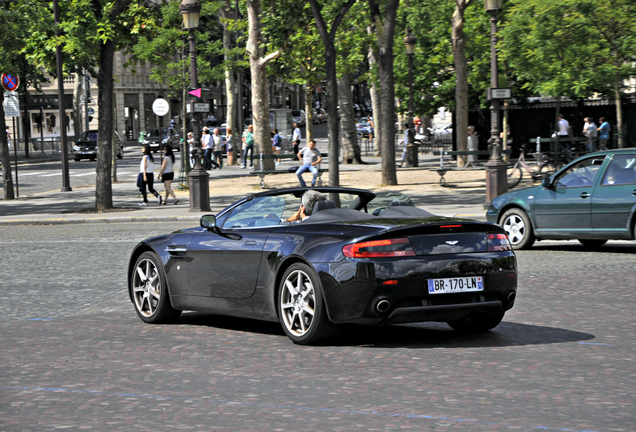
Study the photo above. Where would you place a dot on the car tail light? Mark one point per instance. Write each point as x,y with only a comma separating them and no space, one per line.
498,242
399,247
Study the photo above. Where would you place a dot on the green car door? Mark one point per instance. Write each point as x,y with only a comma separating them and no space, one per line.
565,208
614,199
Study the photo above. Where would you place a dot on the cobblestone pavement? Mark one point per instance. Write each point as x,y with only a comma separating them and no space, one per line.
75,355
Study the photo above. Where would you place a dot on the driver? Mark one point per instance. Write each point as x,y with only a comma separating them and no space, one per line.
308,200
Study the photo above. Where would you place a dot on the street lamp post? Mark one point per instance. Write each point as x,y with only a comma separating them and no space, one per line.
198,178
66,184
411,148
496,179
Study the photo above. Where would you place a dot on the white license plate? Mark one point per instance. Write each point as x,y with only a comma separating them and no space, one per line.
455,285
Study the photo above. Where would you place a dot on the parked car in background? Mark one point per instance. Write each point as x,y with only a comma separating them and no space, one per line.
364,127
352,261
592,200
86,146
158,137
299,117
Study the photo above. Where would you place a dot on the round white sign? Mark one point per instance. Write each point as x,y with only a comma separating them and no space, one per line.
160,107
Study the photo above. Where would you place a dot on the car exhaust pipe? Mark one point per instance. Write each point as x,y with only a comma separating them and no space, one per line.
382,306
511,297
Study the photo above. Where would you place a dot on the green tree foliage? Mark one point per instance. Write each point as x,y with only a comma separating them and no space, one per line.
550,49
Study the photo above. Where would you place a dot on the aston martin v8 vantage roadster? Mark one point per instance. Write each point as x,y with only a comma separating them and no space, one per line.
356,258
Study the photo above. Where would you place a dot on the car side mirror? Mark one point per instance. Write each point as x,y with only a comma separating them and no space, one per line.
209,222
546,183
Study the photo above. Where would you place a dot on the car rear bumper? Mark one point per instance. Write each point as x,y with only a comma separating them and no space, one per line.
363,296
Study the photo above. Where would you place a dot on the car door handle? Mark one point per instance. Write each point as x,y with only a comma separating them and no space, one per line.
250,243
176,249
585,195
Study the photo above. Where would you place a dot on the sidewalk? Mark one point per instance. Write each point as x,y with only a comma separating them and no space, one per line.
464,197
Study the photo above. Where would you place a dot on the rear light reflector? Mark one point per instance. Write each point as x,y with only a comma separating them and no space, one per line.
498,243
450,226
390,282
400,247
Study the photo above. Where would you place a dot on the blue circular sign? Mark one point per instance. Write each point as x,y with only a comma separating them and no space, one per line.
10,82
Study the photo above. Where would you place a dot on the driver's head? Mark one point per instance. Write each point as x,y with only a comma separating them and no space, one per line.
310,198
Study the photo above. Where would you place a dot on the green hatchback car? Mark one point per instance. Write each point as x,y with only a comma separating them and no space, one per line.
592,199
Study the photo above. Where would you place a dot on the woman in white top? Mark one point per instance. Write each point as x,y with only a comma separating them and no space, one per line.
229,146
147,175
191,147
166,174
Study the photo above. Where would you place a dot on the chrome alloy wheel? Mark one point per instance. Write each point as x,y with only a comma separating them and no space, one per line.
516,229
297,303
146,288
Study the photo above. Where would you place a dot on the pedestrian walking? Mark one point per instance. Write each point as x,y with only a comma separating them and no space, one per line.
229,146
206,145
248,146
405,142
217,149
563,132
276,144
591,132
166,174
146,177
296,137
310,157
9,138
191,149
603,133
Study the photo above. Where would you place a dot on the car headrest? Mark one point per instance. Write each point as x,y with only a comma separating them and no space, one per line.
396,203
323,205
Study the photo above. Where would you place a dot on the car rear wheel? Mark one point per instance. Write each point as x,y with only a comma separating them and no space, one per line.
301,307
592,243
477,323
517,225
150,292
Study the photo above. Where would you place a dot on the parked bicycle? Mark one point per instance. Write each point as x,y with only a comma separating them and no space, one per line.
542,168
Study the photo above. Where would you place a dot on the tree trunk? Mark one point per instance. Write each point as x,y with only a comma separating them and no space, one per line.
384,121
373,91
309,114
7,177
461,72
328,38
230,82
350,147
619,116
104,187
260,97
77,110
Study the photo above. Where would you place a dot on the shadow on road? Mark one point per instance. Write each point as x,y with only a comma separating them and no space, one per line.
420,335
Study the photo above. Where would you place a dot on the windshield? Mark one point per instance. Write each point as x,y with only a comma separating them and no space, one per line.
155,132
88,136
296,113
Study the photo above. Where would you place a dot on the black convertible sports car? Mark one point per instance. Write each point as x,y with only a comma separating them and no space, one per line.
359,258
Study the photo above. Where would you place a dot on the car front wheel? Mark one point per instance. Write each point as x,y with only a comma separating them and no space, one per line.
301,307
517,225
150,292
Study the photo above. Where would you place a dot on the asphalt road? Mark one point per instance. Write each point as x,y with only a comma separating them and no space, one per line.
75,356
